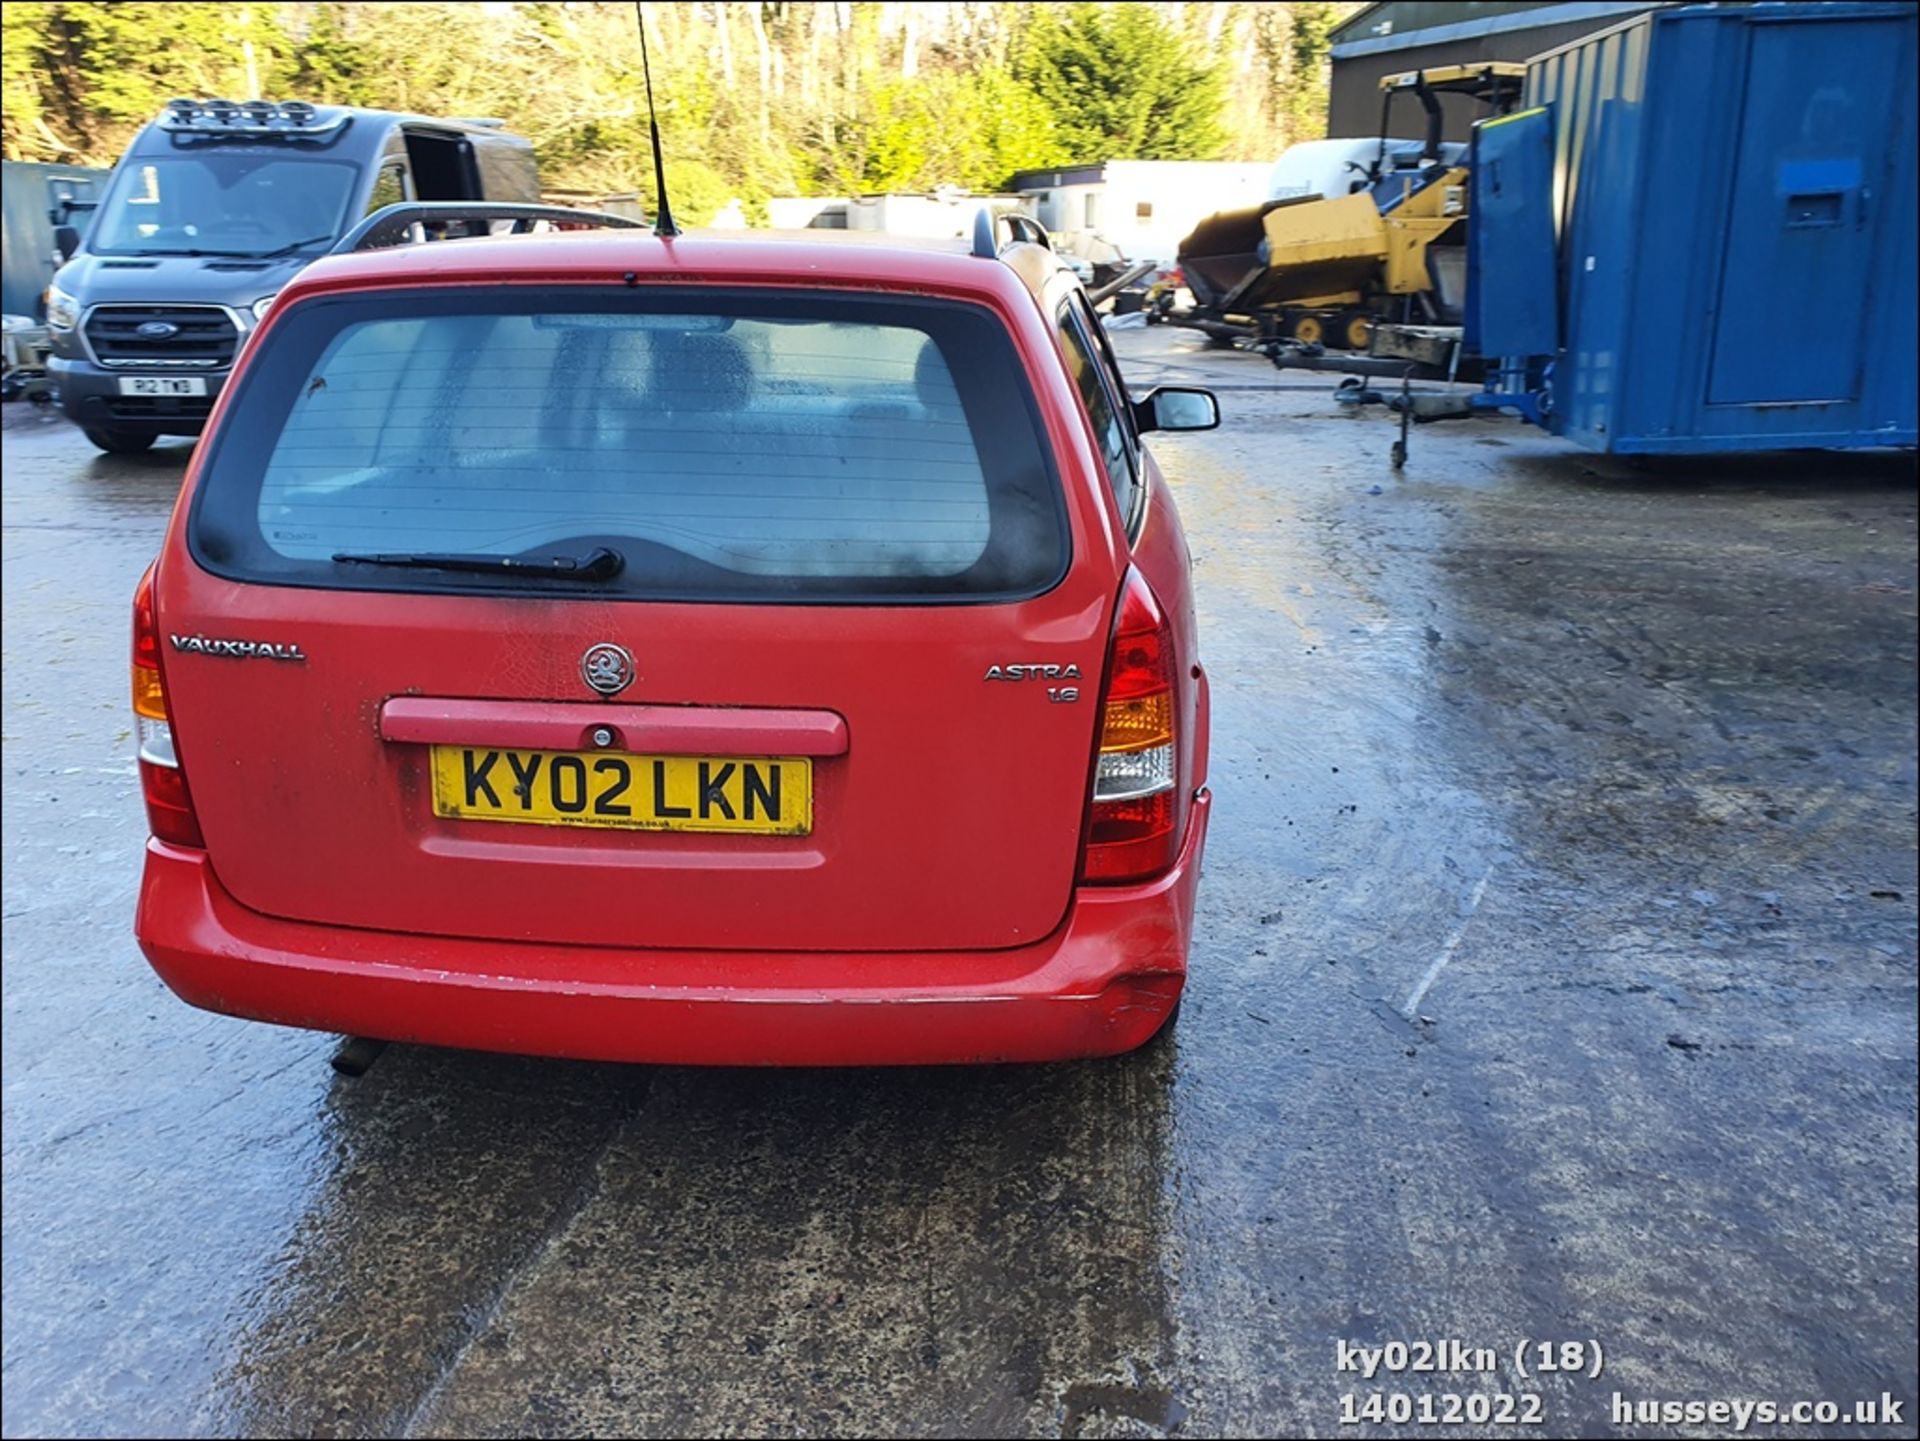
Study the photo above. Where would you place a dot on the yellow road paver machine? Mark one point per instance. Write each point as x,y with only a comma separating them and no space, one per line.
1326,269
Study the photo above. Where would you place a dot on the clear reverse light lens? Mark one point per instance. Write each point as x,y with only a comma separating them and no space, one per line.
1127,775
156,742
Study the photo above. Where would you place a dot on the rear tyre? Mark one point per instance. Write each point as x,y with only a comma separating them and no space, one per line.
120,442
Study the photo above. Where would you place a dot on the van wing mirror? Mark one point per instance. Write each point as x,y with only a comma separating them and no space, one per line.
66,240
1176,407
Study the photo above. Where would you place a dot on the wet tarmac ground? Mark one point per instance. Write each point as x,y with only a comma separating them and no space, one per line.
1554,981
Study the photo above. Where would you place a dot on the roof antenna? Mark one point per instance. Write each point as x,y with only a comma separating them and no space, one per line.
663,225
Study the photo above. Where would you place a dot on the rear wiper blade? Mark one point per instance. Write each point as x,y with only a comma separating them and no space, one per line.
598,564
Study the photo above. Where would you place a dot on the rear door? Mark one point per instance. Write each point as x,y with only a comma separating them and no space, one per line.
837,696
1512,256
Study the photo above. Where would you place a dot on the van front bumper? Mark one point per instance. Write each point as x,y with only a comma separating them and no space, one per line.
1101,984
90,396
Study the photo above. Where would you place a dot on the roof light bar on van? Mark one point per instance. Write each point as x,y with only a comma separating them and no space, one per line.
254,117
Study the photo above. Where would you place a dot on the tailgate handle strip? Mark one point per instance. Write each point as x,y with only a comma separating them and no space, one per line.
647,729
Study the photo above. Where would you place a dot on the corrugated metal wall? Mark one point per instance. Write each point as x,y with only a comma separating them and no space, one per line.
1577,81
1353,99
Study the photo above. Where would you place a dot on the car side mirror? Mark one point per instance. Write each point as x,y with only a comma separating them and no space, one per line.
1177,407
66,240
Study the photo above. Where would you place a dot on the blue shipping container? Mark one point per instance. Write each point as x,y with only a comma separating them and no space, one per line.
1719,206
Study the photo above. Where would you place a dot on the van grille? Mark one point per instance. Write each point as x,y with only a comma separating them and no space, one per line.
204,336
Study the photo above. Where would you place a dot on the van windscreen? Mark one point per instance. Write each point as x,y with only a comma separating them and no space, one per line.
724,445
243,202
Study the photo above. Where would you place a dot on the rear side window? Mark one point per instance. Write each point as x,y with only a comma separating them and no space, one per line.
726,445
1102,409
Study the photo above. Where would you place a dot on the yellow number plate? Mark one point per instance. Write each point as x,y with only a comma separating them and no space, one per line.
769,796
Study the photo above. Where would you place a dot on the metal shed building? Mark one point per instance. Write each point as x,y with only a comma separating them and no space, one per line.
1395,36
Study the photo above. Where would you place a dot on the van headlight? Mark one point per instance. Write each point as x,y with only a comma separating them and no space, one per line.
63,311
261,306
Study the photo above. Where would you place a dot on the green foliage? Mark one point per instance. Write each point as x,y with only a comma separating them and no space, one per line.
1311,43
328,65
956,128
757,97
1123,84
1013,128
85,75
22,66
697,190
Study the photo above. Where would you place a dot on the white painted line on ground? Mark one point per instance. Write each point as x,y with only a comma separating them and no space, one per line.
1447,950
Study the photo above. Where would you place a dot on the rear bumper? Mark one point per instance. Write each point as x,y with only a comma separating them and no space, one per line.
1101,984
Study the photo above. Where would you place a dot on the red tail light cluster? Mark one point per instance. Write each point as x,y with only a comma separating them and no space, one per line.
1133,820
169,807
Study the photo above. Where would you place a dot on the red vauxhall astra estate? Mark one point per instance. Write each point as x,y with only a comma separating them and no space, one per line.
730,650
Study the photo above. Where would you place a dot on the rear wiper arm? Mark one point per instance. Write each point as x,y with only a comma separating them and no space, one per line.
598,564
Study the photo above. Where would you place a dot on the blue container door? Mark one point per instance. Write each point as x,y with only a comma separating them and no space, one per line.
1514,288
1792,313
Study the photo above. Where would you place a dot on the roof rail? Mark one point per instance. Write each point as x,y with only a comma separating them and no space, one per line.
1024,227
389,225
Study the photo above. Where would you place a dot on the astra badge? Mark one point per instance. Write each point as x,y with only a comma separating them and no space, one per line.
607,668
1032,672
245,649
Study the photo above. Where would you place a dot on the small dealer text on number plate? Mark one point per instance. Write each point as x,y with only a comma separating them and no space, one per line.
751,795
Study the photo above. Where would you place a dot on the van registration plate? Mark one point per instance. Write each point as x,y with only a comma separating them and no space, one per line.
757,795
163,385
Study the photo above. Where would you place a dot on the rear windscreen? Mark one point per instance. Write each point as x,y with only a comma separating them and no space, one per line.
723,445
